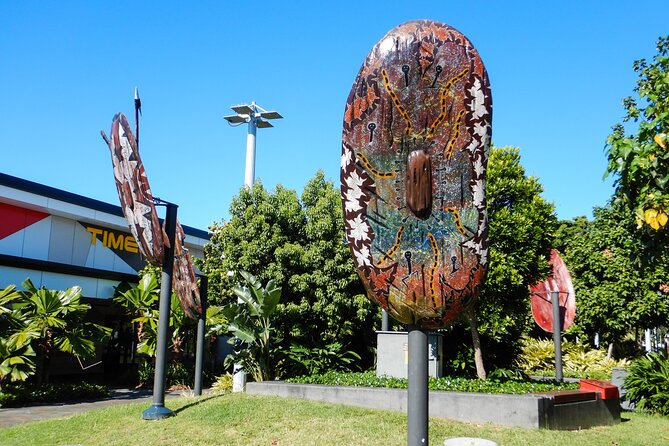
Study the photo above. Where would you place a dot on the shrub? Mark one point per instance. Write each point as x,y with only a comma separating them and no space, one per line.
301,360
176,374
537,354
591,361
222,384
369,379
647,383
21,394
579,361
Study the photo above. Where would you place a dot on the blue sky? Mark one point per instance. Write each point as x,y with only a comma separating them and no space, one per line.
558,71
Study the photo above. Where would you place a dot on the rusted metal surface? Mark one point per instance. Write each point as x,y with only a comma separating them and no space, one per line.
139,210
541,302
415,144
183,279
134,191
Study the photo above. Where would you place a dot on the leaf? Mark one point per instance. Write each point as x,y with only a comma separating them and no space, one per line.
244,333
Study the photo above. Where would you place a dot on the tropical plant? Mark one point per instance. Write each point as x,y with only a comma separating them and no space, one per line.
142,303
251,326
301,360
54,320
647,383
16,359
16,353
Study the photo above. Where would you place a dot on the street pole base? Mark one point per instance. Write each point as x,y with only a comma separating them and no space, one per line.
157,412
239,381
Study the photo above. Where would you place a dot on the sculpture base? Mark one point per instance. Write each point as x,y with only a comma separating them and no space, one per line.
157,412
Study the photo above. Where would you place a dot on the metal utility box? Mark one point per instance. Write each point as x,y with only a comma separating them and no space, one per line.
392,354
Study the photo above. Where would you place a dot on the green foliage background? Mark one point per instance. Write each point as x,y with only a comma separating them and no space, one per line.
640,164
618,290
521,230
298,242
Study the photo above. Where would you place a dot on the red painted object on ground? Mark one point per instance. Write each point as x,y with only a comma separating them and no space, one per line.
606,390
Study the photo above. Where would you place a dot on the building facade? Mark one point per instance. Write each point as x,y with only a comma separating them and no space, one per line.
58,239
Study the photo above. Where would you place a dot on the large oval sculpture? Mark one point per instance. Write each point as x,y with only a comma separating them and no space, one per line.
415,146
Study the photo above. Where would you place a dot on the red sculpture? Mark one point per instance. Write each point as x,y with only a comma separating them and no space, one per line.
541,296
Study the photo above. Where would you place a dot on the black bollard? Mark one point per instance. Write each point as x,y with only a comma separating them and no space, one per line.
201,327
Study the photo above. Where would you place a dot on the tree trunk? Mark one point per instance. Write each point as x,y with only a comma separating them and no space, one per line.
609,353
476,340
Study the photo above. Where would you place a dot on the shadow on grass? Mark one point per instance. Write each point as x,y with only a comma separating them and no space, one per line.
197,402
624,412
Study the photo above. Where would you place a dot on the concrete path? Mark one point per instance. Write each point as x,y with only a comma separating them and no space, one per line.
13,416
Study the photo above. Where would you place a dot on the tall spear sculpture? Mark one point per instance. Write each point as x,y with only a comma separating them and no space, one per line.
138,111
158,245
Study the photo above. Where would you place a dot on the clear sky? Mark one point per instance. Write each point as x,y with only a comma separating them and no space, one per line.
558,71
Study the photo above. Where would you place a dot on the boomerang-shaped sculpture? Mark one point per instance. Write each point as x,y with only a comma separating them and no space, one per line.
139,210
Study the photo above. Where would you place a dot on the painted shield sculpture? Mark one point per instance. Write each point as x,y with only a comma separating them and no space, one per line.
183,277
134,191
541,299
139,210
415,145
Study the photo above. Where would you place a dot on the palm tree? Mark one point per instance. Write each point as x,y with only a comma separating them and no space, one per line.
56,321
16,354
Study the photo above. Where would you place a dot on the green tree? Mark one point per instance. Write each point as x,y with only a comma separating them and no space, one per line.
299,244
521,225
616,290
329,298
640,161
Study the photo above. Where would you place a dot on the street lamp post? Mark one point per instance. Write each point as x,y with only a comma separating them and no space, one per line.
256,117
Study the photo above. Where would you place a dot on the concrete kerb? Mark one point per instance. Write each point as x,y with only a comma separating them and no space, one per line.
526,410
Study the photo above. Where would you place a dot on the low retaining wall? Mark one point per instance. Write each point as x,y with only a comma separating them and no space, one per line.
528,410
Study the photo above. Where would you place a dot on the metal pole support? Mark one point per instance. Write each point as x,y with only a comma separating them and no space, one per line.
557,334
158,410
201,328
418,390
250,168
385,321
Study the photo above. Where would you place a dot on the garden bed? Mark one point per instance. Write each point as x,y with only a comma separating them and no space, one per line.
523,410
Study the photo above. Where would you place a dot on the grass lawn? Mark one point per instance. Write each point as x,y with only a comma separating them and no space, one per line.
248,420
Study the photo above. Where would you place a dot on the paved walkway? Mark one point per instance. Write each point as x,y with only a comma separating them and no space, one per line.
13,416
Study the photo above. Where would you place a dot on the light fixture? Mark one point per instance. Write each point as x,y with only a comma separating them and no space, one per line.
256,117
